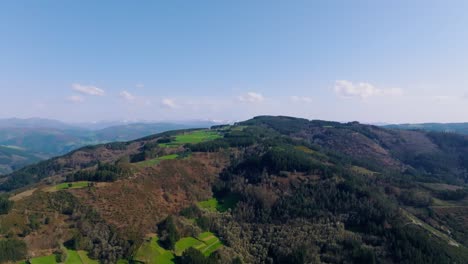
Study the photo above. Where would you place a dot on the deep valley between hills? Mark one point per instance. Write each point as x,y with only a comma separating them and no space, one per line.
266,190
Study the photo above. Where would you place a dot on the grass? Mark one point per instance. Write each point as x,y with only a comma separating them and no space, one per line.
192,137
73,257
220,205
85,259
211,243
74,185
153,162
206,243
151,252
44,260
210,204
362,171
440,186
185,243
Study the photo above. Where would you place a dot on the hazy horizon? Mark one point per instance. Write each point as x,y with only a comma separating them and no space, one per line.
372,62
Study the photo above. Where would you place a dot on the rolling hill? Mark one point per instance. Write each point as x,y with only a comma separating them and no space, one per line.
39,139
460,128
266,190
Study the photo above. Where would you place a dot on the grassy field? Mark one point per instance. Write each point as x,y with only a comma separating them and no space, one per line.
210,243
74,185
206,243
153,162
84,257
44,260
362,171
221,205
440,186
210,204
192,137
73,257
185,243
151,252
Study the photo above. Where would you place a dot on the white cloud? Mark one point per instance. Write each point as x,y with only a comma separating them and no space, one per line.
363,90
251,97
168,103
127,96
88,89
75,98
139,85
301,99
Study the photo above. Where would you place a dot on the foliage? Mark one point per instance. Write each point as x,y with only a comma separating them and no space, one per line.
103,173
5,205
12,250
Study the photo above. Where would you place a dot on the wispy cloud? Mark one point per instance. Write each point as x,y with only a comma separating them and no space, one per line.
88,89
127,96
139,85
251,97
168,103
75,98
301,99
363,90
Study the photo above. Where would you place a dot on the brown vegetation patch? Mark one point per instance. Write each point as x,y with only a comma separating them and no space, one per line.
137,204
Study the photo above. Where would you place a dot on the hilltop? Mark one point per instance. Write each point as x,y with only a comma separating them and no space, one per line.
266,190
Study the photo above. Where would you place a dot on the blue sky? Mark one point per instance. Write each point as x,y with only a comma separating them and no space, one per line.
371,61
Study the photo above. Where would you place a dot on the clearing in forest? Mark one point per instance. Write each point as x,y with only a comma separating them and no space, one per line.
192,137
151,252
155,161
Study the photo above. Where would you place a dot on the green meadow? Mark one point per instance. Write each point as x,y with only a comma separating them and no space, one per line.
155,161
221,204
192,137
73,257
71,185
151,252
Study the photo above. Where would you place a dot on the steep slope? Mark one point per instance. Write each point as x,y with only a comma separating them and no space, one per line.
267,190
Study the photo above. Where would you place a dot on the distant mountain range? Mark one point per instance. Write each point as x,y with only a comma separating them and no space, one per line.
460,128
26,141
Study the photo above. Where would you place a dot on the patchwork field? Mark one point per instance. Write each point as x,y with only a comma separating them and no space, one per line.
186,243
192,137
210,243
151,252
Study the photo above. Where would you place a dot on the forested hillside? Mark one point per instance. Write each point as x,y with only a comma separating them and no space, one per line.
27,141
266,190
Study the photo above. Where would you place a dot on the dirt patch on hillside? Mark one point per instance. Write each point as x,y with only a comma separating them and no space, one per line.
137,204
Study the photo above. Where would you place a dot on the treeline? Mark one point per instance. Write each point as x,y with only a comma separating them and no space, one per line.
104,173
30,174
12,250
5,205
